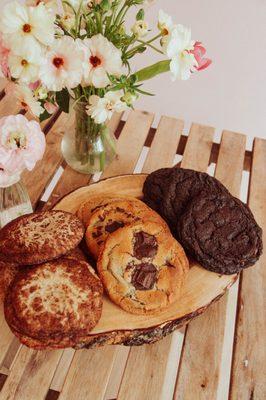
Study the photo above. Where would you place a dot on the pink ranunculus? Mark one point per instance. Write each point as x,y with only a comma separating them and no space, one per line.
4,53
22,143
50,107
199,51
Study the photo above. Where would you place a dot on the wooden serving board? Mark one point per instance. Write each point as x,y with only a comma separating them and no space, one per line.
117,326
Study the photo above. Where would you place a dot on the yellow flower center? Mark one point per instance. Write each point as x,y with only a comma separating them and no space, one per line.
24,63
17,140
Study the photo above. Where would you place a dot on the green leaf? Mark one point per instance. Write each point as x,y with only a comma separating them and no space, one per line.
62,99
153,70
140,15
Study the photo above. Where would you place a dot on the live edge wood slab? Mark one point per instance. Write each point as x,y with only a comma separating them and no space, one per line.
202,288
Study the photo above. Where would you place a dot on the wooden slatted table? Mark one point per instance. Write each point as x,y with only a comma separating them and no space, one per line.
220,355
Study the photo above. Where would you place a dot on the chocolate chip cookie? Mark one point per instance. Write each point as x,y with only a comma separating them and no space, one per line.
221,233
169,190
94,203
117,214
143,268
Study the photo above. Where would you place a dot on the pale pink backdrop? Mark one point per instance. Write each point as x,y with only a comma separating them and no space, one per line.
231,94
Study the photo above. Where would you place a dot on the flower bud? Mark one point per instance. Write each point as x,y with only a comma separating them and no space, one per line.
140,28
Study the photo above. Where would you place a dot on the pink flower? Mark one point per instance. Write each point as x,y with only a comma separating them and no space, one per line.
22,143
7,179
50,107
198,52
34,85
4,53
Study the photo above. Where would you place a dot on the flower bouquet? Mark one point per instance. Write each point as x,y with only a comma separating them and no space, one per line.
77,55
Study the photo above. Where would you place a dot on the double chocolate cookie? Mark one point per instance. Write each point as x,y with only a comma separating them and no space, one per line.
169,190
142,268
221,233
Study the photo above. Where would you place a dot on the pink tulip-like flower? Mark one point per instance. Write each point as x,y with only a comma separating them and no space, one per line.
22,143
4,53
198,52
50,107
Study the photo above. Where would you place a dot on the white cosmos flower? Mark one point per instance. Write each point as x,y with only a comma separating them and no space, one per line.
100,57
182,65
25,65
165,23
140,28
102,108
177,47
26,99
63,65
24,27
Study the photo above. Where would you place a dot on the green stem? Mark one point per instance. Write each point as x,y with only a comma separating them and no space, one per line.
150,45
143,43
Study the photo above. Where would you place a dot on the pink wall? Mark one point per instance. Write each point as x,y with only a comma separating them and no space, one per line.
231,94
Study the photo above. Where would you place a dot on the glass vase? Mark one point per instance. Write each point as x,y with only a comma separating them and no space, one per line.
86,146
14,202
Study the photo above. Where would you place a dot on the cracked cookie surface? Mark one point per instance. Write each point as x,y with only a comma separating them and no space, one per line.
39,237
107,219
143,268
221,233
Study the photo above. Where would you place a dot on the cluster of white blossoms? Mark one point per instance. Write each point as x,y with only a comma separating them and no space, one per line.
45,50
34,56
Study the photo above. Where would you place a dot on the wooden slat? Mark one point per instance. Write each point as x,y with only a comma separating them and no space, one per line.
8,106
164,144
27,377
3,83
130,143
207,337
147,365
249,363
200,137
38,179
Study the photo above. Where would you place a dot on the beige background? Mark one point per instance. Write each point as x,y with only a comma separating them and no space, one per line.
231,94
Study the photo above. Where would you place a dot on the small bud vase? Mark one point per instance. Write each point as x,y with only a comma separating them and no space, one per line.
86,146
14,202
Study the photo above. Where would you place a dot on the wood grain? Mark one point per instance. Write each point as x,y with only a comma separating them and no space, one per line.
201,366
28,377
249,363
164,144
130,143
8,106
151,374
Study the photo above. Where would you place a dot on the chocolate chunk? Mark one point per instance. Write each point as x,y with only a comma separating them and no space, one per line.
113,226
144,276
145,245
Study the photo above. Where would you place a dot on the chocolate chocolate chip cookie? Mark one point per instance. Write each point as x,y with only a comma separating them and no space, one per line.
169,190
221,233
117,214
143,268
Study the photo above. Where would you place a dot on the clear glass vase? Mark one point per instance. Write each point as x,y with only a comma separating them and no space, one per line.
86,146
14,202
